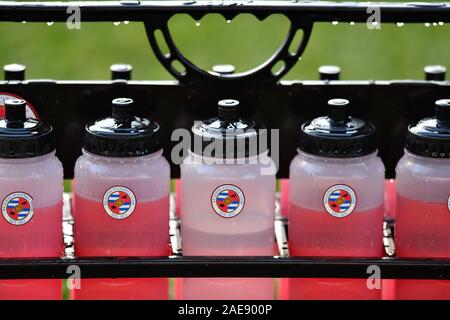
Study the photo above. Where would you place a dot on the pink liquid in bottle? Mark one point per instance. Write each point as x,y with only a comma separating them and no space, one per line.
430,240
42,235
123,289
41,289
390,197
342,240
94,230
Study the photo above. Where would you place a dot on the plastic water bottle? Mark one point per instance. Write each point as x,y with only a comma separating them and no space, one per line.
121,207
336,200
31,192
423,201
228,202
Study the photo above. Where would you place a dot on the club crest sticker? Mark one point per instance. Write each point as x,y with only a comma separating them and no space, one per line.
227,200
339,200
119,202
17,208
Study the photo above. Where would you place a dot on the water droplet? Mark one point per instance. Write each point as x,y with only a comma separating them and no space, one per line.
116,23
50,23
427,24
126,22
435,24
228,21
400,24
24,21
352,23
440,23
197,23
334,23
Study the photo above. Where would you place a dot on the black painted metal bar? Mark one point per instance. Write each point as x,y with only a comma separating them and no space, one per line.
225,267
144,10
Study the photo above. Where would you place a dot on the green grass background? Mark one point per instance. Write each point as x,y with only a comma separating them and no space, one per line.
389,53
53,51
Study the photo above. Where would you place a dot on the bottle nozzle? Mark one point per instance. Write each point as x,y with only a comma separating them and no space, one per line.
14,72
435,73
329,72
122,109
443,112
15,112
228,110
338,110
121,71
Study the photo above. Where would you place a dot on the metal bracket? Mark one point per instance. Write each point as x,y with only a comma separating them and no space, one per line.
261,75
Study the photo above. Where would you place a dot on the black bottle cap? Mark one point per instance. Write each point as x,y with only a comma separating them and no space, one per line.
435,73
121,71
329,72
227,135
337,135
123,134
430,137
21,137
224,69
14,72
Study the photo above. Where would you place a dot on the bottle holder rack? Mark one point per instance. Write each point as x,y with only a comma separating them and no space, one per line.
68,105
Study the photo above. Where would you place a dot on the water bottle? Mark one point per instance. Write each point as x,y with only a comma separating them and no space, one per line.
336,200
423,201
228,201
31,195
121,191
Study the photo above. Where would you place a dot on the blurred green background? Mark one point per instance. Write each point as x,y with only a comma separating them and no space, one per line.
393,52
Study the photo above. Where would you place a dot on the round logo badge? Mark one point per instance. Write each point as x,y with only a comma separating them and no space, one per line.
17,208
119,202
227,200
339,200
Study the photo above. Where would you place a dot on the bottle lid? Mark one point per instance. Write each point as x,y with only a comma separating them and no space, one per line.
430,137
122,134
14,72
337,135
435,73
228,135
329,72
21,137
121,71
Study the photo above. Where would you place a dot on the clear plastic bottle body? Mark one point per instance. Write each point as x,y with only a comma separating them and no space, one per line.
423,191
357,234
41,237
145,231
42,179
315,230
422,222
205,232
